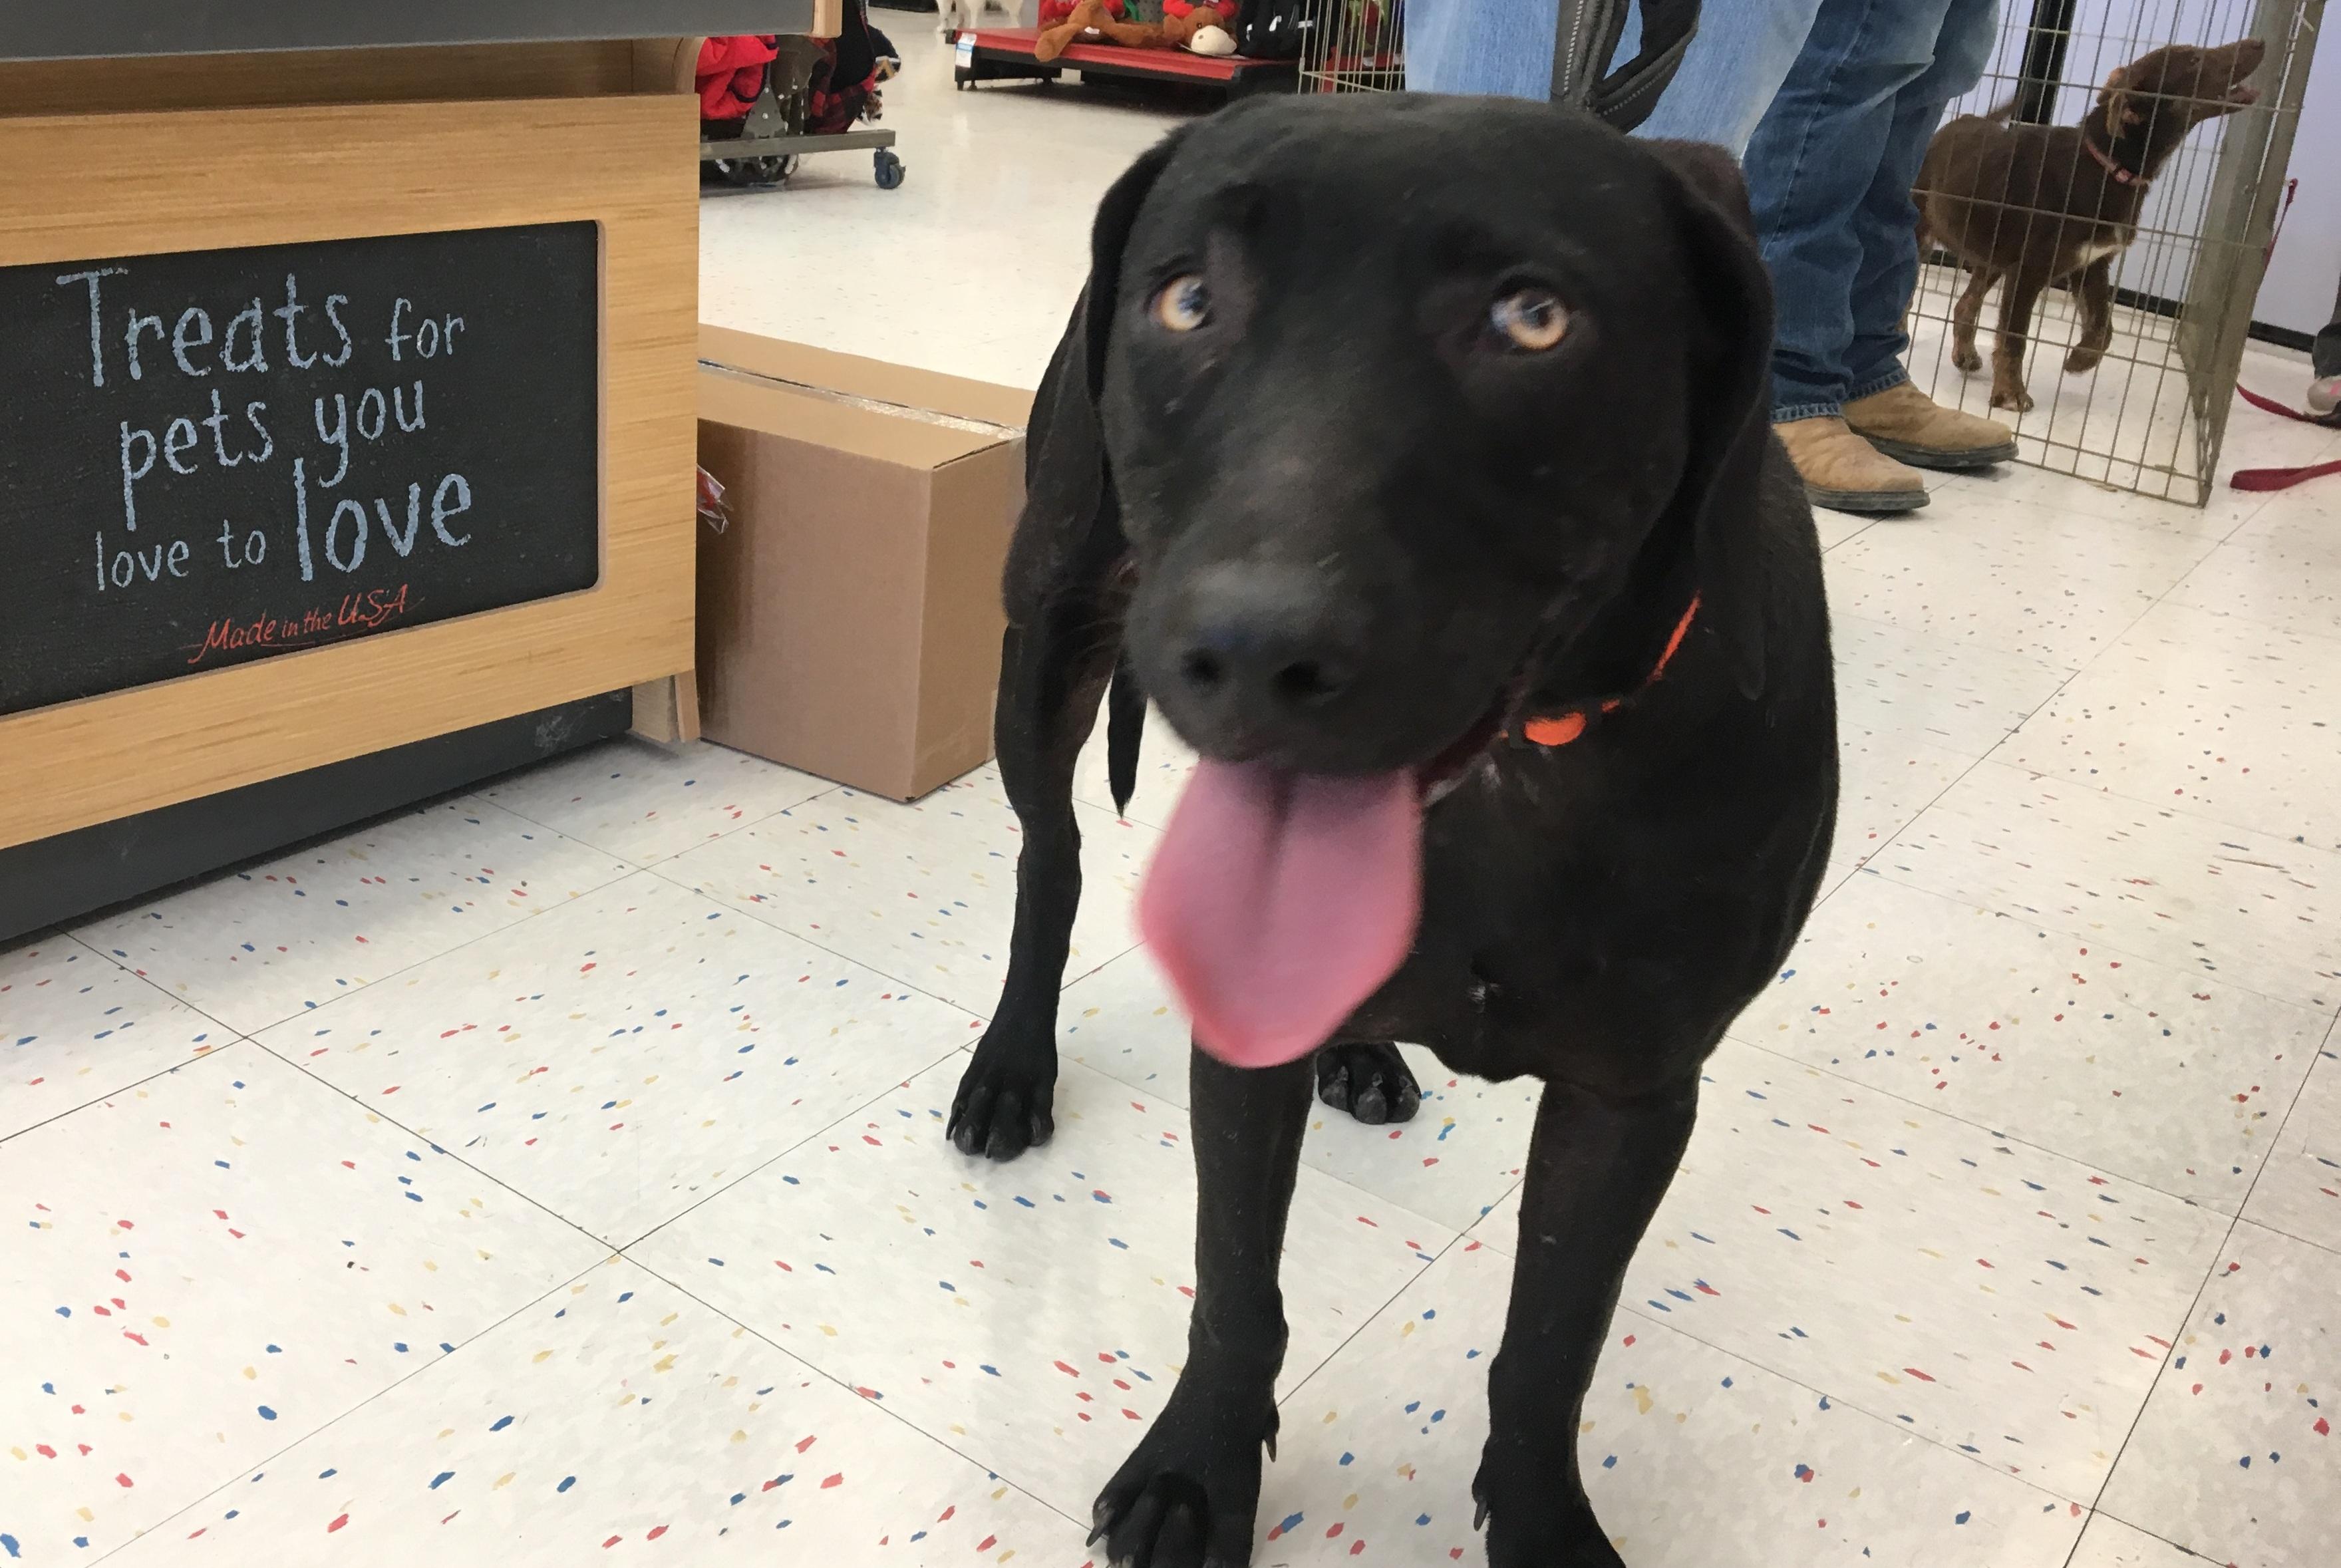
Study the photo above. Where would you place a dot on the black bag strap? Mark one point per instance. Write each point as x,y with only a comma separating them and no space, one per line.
1588,38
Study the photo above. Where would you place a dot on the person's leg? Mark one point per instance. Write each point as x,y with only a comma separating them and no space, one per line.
1816,157
1880,404
1734,66
1811,166
1501,48
2324,363
1731,73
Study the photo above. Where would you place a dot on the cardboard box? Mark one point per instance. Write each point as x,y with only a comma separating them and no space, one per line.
849,613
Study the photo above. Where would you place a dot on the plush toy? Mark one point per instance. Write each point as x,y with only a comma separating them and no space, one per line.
1204,26
1065,23
1201,25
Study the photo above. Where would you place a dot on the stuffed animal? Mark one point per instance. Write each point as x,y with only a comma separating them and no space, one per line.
1204,26
1201,25
1065,23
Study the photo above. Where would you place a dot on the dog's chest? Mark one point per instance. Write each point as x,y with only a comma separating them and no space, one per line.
2103,243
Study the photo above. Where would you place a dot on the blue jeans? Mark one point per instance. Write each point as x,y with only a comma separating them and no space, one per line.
1829,170
1503,48
1829,104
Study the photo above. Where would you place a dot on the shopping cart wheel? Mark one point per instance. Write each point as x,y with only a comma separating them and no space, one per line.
887,167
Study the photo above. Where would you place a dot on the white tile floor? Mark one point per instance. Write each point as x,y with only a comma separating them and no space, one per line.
559,1170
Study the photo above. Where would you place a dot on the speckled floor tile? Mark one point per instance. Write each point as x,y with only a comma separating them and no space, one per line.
1032,1315
624,1055
2107,1542
2021,579
1884,781
2213,715
1458,1156
2003,1301
1121,1020
76,1027
1955,695
255,946
2158,1074
614,1415
2252,909
1835,527
2281,570
211,1265
1694,1457
2299,1190
2085,498
924,893
2233,1457
644,802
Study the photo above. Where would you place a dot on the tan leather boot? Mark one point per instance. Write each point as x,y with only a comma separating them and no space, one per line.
1904,421
1846,473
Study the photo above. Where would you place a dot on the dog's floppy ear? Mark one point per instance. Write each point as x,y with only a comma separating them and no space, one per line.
2114,99
1067,486
1730,412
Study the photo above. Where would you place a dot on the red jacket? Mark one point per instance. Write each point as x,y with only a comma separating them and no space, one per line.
732,73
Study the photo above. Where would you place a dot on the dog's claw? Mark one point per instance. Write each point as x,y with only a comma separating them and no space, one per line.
1368,1080
999,1113
1478,1514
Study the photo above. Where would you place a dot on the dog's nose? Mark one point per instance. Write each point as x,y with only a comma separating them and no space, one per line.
1267,641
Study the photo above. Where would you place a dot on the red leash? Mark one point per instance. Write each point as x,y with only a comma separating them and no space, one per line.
2278,478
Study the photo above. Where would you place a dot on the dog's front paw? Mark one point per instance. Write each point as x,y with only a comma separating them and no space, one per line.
2083,357
1372,1082
1186,1497
1965,356
1004,1106
2006,397
1529,1525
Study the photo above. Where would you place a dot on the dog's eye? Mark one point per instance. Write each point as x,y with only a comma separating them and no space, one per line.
1184,303
1531,319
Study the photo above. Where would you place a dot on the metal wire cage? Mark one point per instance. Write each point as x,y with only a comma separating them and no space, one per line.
2127,374
1356,47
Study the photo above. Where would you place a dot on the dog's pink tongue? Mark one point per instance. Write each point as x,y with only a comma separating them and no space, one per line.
1278,902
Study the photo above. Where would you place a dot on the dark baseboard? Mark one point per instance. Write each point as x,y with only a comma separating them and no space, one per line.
2282,337
55,880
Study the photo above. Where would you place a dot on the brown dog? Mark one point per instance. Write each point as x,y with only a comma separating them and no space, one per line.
2041,205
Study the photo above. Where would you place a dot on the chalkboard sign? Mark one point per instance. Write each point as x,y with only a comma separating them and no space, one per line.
215,457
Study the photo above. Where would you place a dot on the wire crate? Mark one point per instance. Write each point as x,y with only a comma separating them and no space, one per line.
1356,47
2130,361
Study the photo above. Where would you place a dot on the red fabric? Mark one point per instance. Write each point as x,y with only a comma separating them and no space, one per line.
2278,478
828,110
731,72
1055,11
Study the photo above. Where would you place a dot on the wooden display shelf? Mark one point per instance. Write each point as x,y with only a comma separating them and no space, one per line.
166,161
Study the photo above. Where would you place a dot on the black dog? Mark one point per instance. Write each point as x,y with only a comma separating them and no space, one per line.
1417,451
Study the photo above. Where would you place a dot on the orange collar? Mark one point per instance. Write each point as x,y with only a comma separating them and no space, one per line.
2122,176
1559,729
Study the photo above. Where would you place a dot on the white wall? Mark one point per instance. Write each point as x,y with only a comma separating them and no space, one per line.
2302,276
